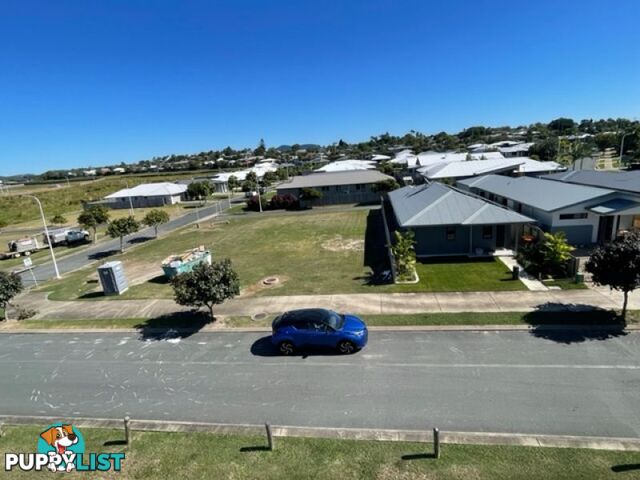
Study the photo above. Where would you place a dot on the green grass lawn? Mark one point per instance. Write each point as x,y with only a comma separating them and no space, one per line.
435,319
474,275
210,456
311,253
565,284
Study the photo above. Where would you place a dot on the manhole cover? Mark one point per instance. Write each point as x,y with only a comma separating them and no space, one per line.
270,280
258,316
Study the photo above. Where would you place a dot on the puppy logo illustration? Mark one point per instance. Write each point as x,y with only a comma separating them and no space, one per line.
61,448
61,442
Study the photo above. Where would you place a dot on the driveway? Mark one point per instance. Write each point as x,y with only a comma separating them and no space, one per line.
549,383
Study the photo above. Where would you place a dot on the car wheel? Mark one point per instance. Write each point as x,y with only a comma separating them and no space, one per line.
346,347
286,348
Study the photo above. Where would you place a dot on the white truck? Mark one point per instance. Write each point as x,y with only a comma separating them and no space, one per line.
66,236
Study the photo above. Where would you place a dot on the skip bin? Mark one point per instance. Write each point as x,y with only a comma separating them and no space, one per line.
112,278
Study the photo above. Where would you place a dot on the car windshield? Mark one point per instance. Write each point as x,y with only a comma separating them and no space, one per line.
334,320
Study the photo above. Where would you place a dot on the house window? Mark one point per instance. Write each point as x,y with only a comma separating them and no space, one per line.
487,232
451,233
636,221
573,216
325,189
360,187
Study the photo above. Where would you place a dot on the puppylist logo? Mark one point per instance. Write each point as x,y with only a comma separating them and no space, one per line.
61,448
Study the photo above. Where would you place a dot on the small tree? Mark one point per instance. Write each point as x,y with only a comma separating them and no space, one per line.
10,286
233,182
557,252
250,182
310,194
58,220
206,285
121,227
155,218
199,190
93,217
404,254
384,186
617,265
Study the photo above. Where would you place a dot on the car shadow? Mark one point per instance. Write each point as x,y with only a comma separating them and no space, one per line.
574,323
172,326
264,348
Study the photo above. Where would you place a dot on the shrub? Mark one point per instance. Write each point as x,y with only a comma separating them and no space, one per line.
549,256
286,202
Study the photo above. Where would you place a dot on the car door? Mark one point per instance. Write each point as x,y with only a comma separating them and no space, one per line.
304,332
323,335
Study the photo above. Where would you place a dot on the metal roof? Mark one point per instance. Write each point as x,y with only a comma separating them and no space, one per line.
150,190
438,204
347,165
353,177
546,195
623,181
470,168
616,205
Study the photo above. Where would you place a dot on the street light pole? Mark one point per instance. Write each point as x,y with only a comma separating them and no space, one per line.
622,146
129,195
46,232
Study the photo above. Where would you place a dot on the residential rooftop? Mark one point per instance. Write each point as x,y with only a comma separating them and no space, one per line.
623,181
438,204
334,178
547,195
150,190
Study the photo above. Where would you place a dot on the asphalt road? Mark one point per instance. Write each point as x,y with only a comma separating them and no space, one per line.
457,381
103,250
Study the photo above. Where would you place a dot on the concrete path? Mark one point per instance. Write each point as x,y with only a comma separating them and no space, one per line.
457,381
529,281
372,304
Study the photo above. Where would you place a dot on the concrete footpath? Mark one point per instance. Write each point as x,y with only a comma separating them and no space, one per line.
364,304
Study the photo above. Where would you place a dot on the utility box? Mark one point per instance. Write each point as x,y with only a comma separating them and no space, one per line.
112,278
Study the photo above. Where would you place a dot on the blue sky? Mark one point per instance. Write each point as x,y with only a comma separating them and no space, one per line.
91,82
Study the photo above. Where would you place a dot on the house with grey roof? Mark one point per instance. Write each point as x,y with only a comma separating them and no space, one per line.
586,214
450,222
355,186
146,195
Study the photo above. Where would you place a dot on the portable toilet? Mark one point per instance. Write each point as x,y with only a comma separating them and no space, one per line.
112,278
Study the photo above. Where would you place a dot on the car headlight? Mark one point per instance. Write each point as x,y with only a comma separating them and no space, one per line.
359,334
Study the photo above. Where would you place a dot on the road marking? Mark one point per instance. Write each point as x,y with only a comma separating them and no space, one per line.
306,363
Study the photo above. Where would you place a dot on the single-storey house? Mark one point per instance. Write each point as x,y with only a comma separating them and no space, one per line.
474,168
584,213
356,186
450,222
146,195
218,185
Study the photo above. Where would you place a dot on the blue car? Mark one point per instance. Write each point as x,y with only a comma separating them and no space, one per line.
318,327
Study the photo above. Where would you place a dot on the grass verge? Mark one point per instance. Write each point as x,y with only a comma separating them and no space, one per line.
566,284
200,455
597,317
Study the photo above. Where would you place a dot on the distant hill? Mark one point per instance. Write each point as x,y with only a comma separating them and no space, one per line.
304,146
